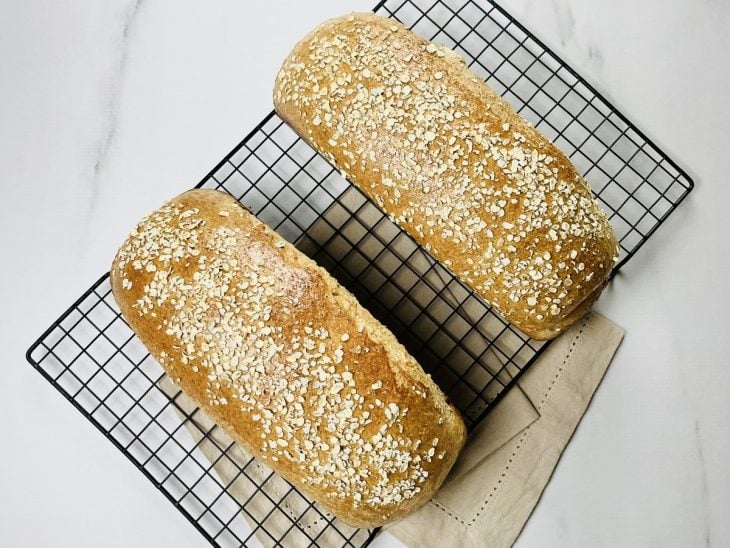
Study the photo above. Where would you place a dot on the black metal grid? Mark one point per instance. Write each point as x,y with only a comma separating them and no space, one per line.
90,355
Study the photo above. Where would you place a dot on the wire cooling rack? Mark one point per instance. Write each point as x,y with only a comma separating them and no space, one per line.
90,355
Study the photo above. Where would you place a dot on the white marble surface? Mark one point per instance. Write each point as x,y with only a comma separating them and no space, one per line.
107,108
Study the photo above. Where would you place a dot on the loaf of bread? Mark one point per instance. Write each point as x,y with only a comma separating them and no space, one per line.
285,360
452,164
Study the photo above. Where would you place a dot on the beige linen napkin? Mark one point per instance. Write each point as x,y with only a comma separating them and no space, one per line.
498,479
490,494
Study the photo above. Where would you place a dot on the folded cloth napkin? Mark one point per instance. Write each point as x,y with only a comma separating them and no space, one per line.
510,456
497,481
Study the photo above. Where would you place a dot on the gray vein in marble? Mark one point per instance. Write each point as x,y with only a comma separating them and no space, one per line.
565,20
112,107
566,29
595,57
684,384
704,484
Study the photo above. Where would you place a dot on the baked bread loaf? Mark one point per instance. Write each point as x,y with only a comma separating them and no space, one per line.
285,360
452,164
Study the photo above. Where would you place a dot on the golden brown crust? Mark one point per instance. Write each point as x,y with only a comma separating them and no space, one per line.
453,164
285,359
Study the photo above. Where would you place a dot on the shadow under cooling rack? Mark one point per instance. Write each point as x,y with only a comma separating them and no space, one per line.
91,356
